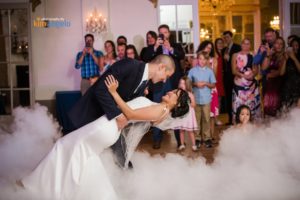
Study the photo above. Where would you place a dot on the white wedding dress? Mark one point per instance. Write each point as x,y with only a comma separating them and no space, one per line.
73,169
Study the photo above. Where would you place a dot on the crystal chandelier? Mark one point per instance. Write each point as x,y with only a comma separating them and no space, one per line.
96,23
275,23
216,5
204,34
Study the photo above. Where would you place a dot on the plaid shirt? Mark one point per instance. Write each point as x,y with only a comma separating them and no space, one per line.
88,67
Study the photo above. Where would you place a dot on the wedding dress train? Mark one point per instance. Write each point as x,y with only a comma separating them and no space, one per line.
73,168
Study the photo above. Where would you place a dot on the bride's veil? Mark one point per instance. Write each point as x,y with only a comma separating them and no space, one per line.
135,131
133,134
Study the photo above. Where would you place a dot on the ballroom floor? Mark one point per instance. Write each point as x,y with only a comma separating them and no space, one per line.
169,144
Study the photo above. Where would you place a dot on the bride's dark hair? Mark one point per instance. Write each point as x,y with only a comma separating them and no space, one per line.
182,105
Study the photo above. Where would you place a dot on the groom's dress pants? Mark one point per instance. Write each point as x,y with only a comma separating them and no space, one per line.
119,150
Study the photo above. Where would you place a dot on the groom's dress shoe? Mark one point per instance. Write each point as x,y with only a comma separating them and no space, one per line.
130,166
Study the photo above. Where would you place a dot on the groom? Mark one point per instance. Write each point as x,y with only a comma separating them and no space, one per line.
133,77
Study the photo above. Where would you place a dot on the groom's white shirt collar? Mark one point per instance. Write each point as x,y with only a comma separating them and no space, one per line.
146,74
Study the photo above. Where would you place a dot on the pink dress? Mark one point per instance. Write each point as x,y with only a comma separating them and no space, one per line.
188,123
214,104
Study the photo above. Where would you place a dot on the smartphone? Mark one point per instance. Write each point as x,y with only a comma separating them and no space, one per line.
88,45
263,42
161,36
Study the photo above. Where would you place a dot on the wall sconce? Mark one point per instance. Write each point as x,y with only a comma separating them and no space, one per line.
96,23
275,23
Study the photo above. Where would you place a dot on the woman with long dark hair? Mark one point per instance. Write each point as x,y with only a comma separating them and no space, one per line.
110,56
219,45
290,93
271,67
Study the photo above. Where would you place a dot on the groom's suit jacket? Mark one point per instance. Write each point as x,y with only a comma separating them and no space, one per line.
97,101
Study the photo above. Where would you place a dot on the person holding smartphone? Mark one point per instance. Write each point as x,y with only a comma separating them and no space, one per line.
88,61
163,45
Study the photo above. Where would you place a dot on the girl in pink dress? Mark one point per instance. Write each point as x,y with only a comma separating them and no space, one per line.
189,123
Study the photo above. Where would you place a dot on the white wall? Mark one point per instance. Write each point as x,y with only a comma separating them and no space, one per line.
54,49
133,19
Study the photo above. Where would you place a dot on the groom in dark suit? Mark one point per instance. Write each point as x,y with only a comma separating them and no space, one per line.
133,76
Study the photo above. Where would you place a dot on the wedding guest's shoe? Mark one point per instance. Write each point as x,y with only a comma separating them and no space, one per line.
181,147
208,144
218,122
194,148
198,144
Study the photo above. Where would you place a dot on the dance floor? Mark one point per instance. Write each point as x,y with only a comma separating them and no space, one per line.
169,144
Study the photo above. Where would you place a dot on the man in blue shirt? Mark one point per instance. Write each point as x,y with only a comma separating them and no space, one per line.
203,80
88,61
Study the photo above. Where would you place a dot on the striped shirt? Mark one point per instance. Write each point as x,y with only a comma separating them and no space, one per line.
88,67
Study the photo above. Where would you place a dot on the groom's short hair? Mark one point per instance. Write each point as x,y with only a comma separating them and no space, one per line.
166,60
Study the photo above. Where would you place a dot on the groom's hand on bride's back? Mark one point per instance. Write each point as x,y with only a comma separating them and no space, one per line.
121,121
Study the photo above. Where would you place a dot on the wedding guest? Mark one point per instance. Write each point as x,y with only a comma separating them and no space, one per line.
268,42
110,57
243,116
245,89
151,39
121,40
131,52
219,45
88,61
164,46
227,53
203,79
121,51
272,64
290,92
290,39
208,47
189,124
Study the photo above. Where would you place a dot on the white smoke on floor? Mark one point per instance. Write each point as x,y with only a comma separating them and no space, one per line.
254,163
33,133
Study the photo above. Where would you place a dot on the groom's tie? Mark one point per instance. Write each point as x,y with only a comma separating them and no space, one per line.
140,90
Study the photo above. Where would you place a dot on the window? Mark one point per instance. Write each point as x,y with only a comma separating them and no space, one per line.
180,20
14,59
243,27
295,18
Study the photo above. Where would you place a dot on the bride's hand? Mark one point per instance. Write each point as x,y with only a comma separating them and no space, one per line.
111,83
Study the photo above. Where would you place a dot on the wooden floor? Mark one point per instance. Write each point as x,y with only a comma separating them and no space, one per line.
169,144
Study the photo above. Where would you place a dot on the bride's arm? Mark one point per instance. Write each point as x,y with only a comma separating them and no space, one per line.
149,113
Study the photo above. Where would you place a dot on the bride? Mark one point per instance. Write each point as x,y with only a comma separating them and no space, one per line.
73,168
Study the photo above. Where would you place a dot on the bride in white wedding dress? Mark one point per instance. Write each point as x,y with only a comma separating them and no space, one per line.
73,168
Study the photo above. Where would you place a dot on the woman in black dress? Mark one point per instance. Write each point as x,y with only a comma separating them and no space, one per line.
290,93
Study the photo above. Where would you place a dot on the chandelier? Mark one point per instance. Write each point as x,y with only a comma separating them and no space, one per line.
96,23
216,5
275,23
204,34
